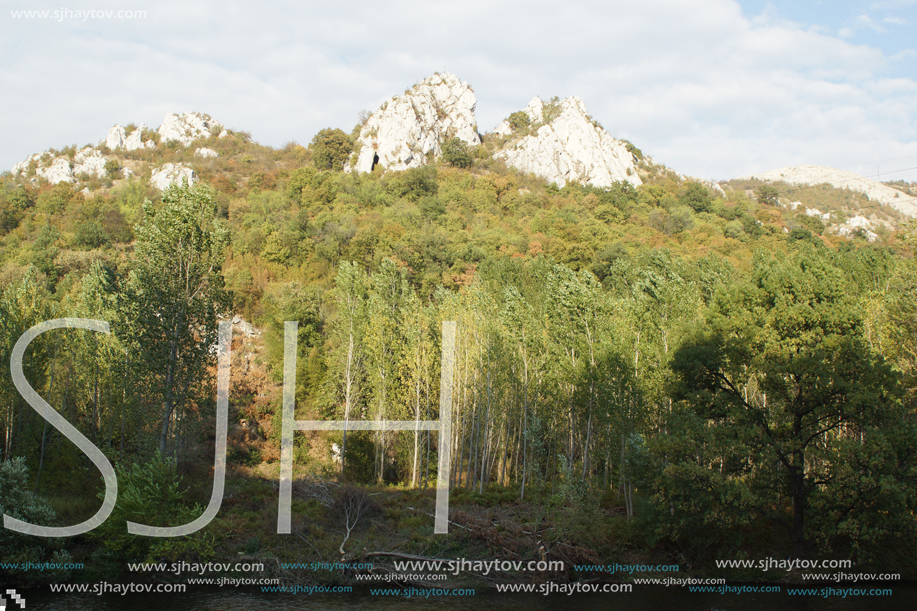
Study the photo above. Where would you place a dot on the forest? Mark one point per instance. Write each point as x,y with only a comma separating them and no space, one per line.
661,372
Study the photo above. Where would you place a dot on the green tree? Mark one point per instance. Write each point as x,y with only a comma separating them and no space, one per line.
330,149
455,153
776,396
767,195
696,196
346,360
177,292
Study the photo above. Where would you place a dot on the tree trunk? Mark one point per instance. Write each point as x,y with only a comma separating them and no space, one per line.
347,395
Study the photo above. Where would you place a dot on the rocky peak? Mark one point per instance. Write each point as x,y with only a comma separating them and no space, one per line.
408,127
188,127
118,138
568,146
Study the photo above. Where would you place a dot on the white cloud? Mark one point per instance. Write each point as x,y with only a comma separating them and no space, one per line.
698,85
867,22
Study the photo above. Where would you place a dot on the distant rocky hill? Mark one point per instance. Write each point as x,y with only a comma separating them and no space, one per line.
841,179
91,161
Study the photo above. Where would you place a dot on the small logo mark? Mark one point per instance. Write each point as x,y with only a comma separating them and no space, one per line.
15,598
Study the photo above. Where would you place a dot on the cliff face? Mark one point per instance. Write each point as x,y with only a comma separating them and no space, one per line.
568,147
409,127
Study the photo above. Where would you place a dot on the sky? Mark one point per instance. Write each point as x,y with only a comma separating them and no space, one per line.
715,89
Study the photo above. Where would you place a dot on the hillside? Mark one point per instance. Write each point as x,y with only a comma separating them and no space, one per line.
633,345
812,175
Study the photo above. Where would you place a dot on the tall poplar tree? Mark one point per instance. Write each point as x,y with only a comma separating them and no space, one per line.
178,294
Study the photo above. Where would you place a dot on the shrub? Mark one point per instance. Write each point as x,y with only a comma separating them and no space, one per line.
455,153
551,110
91,235
112,168
413,184
150,494
330,149
696,196
519,121
19,502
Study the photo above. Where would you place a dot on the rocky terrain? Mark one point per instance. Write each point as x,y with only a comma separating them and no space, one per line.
805,175
568,146
409,127
564,144
555,140
91,161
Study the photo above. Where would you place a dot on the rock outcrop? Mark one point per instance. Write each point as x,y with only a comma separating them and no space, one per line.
569,147
89,161
59,170
62,168
115,139
841,179
188,127
23,166
172,173
185,128
534,111
858,225
118,138
409,127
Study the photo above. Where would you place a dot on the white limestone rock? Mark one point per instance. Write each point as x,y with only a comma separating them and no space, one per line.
571,148
23,166
59,170
408,127
115,139
118,138
858,225
188,127
206,153
245,327
842,179
172,173
534,110
89,161
135,139
818,214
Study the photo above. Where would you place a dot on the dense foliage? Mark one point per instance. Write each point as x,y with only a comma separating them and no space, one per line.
699,360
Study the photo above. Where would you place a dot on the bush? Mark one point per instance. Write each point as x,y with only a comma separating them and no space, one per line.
112,168
17,501
519,121
413,184
91,235
455,153
697,197
150,494
330,149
